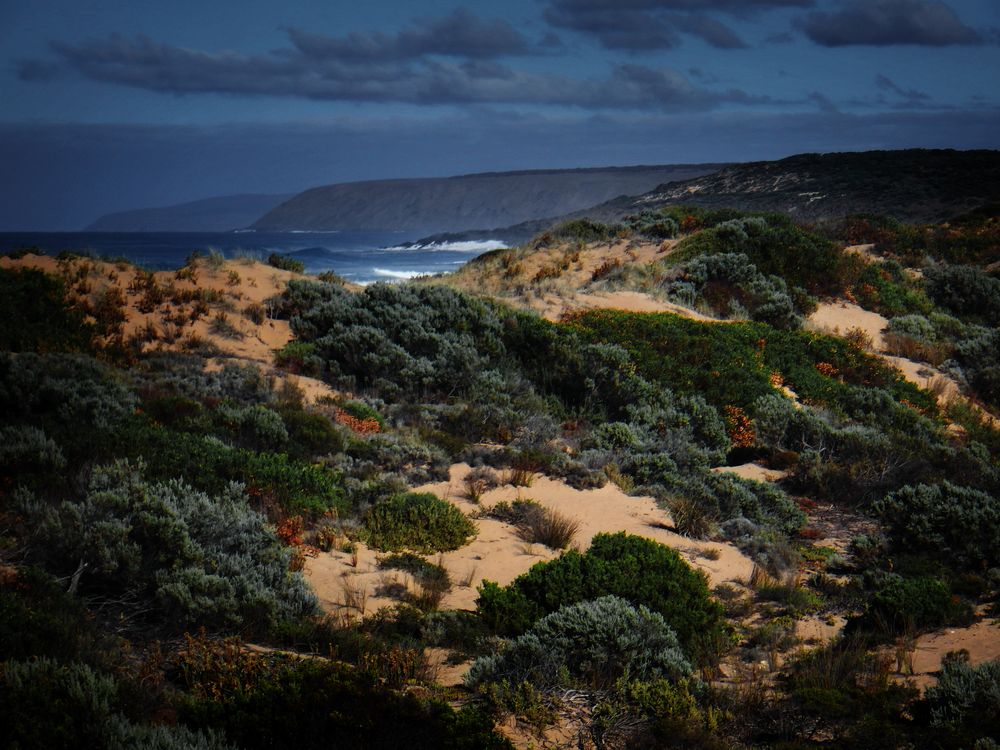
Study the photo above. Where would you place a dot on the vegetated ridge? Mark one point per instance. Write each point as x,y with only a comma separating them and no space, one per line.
218,214
915,185
476,201
910,185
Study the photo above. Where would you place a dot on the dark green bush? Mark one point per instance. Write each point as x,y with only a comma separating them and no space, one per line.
966,291
36,315
634,568
313,704
417,521
285,263
47,704
907,605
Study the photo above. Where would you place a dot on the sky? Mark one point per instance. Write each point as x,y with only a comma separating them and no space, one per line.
116,104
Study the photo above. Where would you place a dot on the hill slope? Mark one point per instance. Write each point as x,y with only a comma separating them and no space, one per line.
477,201
209,215
912,185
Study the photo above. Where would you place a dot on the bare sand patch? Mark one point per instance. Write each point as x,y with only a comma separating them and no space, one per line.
752,471
499,554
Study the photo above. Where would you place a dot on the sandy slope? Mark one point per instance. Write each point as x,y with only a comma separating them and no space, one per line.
236,284
498,554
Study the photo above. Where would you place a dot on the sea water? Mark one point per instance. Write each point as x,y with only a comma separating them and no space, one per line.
361,257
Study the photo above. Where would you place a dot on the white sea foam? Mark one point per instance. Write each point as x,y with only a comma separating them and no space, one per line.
399,274
466,246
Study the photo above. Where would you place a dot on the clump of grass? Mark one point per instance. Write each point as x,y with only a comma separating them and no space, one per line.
548,527
478,482
690,518
222,326
432,580
519,476
536,524
255,312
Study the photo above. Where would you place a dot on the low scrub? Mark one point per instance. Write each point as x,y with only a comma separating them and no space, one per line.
417,521
640,570
590,644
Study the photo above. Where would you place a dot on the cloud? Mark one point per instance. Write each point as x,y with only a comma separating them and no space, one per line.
460,34
909,96
657,24
889,22
637,30
310,70
35,71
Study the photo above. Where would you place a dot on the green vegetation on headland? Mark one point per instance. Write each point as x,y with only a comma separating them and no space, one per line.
153,511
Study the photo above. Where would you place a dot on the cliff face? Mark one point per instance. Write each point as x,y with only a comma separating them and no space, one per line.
479,201
208,215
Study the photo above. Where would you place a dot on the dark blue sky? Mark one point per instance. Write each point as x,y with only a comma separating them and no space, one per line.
129,103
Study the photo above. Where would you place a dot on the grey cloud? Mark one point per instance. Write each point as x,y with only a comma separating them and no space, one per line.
636,30
303,73
460,34
35,71
910,96
889,22
657,24
737,7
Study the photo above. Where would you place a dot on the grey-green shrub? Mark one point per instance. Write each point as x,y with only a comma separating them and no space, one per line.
965,702
51,704
201,560
24,448
947,521
591,643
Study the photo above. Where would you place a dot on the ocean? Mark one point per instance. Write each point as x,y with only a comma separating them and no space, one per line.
361,257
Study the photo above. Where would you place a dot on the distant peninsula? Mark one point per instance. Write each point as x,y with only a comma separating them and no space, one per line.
219,214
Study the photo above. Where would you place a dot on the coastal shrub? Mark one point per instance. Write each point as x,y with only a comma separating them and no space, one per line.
885,288
26,450
959,525
726,282
776,247
299,358
198,560
38,618
964,705
979,355
311,433
62,389
639,570
906,605
37,316
315,703
966,291
49,704
255,427
417,521
590,644
286,263
273,481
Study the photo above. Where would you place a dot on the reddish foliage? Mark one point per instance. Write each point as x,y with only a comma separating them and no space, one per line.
739,427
